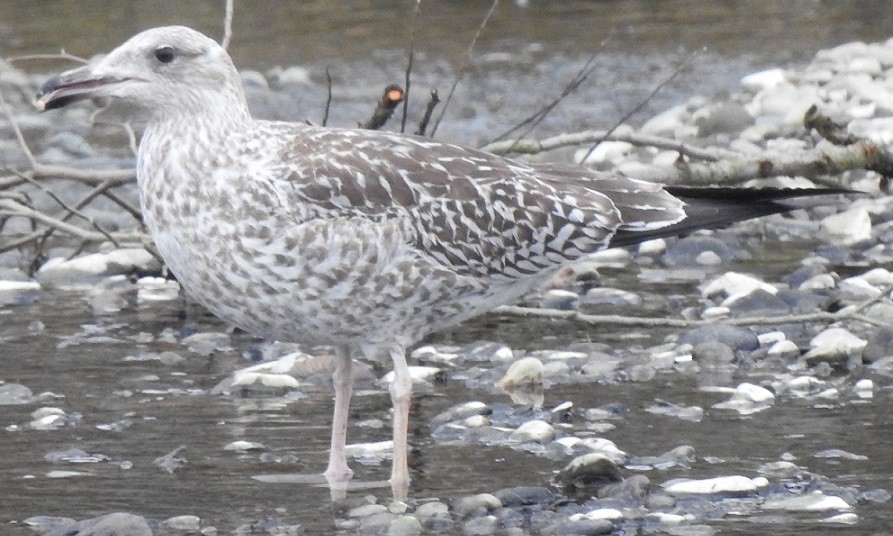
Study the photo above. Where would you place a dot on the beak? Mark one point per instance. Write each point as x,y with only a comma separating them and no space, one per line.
72,86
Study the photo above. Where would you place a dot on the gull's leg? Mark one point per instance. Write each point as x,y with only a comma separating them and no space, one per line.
401,391
338,473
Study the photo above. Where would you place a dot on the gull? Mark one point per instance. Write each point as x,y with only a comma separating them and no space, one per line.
362,241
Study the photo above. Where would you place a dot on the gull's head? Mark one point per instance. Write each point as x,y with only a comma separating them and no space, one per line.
168,71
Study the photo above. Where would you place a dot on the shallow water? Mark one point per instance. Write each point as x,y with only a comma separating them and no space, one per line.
167,405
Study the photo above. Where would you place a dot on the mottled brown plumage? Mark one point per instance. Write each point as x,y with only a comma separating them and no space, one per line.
361,240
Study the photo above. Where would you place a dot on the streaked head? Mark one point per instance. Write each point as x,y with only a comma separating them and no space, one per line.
160,71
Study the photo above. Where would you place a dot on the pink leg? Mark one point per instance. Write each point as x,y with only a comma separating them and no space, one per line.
338,473
401,391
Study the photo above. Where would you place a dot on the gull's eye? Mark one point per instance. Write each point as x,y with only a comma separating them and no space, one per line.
165,54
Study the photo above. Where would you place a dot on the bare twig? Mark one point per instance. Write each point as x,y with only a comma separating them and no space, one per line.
9,207
649,322
429,109
7,111
71,210
389,100
227,24
325,115
688,60
411,55
466,62
710,154
537,117
62,55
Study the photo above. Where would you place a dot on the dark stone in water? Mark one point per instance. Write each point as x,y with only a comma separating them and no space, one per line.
735,337
118,523
685,252
523,496
586,527
880,345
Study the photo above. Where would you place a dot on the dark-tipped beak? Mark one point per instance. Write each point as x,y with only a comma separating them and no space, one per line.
71,86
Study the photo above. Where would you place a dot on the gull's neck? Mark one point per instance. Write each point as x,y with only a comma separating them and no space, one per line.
202,116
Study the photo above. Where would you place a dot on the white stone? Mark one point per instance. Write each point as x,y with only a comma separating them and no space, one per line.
763,80
849,227
417,373
605,447
611,514
748,398
735,285
653,247
818,282
606,151
244,446
838,341
528,370
782,348
864,388
722,484
813,502
535,430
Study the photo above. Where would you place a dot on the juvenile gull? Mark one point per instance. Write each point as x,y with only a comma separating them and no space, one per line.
364,241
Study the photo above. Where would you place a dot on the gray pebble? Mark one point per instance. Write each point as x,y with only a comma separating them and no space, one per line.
404,526
475,505
735,337
117,524
523,496
14,394
585,527
585,475
480,526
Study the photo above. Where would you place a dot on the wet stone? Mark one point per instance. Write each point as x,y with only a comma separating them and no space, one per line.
634,488
186,523
585,475
14,394
685,252
585,527
480,526
108,525
475,505
737,338
404,526
523,496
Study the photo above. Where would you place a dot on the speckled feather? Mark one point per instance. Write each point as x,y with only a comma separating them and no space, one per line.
364,241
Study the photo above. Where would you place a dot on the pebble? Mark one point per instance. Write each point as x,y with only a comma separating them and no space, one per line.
523,496
528,370
747,399
812,502
85,269
404,526
14,394
732,485
586,474
536,430
475,505
118,523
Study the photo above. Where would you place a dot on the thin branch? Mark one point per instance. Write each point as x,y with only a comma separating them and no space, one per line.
7,111
227,24
710,154
429,109
648,322
537,117
389,100
412,37
62,55
325,115
9,207
466,62
688,60
71,210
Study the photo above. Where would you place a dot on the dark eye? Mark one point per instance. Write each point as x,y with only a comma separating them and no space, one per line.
165,54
